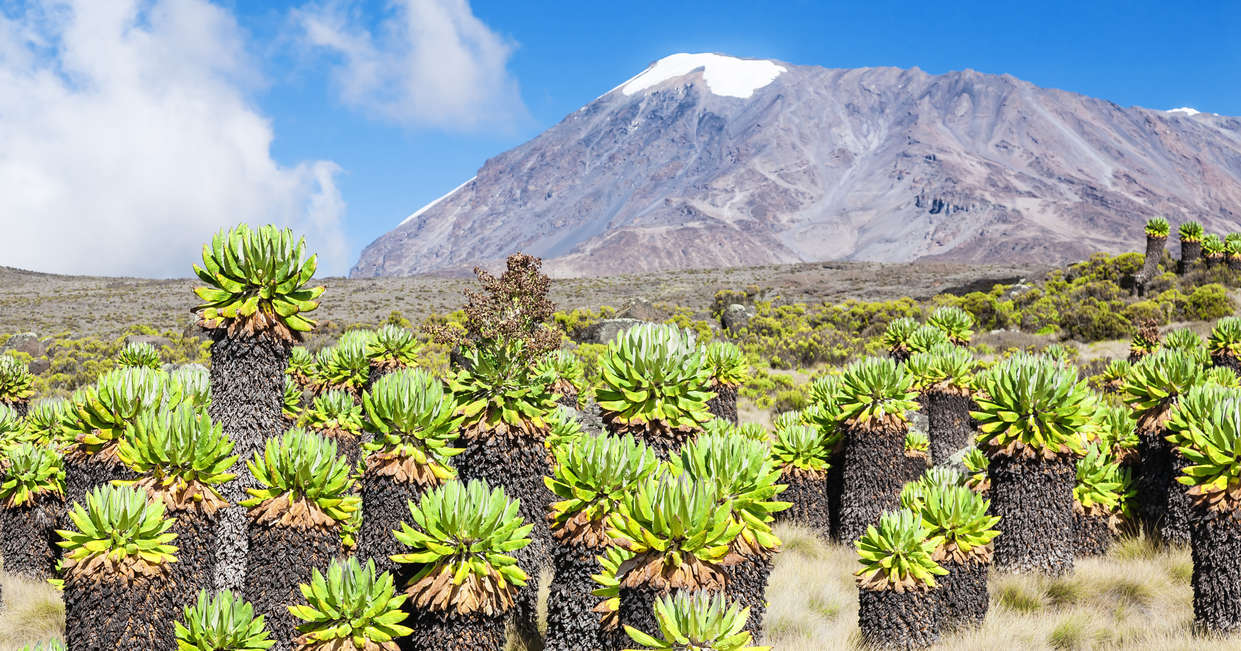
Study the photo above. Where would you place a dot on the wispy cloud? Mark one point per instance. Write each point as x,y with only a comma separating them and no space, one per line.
128,139
423,63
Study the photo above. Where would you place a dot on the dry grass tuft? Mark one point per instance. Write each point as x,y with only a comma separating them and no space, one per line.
33,612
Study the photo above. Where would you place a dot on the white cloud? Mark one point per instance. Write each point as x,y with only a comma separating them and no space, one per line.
426,63
126,140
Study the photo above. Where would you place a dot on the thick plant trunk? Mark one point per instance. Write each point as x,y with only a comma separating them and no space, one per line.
116,614
1163,504
963,595
746,583
724,404
518,464
1034,499
19,407
247,397
665,444
85,472
637,609
948,424
29,537
897,620
572,625
1216,546
1150,264
835,488
196,549
1094,534
231,549
384,507
808,494
437,631
279,559
1191,252
1227,361
916,464
873,470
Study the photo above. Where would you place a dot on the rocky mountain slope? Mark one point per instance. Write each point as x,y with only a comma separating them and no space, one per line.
708,161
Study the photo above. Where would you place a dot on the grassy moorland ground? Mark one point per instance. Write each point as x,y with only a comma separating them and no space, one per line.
1136,597
105,307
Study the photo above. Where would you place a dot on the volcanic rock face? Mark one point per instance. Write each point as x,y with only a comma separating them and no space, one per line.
705,161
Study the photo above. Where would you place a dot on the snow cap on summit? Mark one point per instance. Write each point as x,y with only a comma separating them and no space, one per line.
725,75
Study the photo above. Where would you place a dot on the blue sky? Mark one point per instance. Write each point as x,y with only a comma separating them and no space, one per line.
341,117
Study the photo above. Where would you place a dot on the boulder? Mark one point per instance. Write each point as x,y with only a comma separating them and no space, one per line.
736,317
607,329
26,342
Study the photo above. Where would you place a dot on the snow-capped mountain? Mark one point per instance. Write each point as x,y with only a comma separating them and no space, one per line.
706,160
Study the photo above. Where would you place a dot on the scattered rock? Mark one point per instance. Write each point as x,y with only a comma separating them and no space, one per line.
607,329
643,310
26,342
39,365
736,317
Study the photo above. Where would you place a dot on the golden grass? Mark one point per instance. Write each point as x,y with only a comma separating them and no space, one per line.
1137,597
33,612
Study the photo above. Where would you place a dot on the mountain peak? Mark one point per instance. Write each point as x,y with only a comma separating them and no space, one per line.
725,75
879,164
